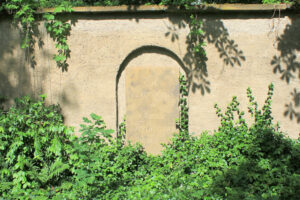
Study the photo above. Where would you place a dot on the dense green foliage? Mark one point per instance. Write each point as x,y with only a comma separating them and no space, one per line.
41,159
34,149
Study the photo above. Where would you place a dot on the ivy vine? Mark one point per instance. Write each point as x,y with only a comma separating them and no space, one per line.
183,122
24,13
59,29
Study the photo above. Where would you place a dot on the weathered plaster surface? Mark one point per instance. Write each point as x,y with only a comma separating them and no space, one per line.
152,95
104,46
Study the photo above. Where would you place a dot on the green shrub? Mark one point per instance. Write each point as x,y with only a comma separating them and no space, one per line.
102,163
239,161
34,145
41,160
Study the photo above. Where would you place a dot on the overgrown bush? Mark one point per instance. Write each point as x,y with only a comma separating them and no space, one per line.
34,146
101,163
239,161
41,160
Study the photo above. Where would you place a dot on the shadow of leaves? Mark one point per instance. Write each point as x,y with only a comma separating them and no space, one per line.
212,31
287,64
291,108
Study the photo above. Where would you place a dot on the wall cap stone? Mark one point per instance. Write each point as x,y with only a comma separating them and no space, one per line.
160,8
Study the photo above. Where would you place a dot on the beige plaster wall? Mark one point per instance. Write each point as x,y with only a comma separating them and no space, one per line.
103,46
152,94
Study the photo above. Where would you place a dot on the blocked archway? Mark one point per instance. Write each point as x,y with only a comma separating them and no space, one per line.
148,93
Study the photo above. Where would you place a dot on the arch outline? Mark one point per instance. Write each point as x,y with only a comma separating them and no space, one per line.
136,53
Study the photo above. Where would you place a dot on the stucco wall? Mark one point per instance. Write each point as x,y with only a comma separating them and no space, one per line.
240,49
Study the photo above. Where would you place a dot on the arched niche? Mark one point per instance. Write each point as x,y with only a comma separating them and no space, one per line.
148,93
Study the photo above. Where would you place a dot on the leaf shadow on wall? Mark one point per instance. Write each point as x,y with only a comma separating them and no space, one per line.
215,33
19,73
14,78
195,59
287,65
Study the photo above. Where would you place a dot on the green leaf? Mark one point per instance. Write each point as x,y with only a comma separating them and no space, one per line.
95,117
48,16
86,120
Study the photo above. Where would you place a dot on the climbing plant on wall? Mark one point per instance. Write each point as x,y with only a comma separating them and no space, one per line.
59,29
24,13
183,122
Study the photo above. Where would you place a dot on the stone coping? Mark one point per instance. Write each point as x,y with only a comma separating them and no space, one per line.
160,8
